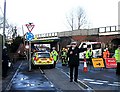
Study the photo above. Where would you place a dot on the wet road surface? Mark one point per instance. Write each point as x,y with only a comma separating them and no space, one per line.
24,80
97,79
57,80
48,80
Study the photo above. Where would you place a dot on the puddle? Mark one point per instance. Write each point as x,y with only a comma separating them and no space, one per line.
25,81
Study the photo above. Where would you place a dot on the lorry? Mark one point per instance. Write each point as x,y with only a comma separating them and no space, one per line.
95,46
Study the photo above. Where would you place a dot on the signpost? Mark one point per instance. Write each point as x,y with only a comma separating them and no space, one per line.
29,37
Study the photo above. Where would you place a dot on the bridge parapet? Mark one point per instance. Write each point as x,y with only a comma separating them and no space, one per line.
47,35
79,32
109,30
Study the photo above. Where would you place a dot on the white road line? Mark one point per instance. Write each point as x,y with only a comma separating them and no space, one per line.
96,80
46,77
88,79
96,83
116,82
42,71
10,83
113,84
102,81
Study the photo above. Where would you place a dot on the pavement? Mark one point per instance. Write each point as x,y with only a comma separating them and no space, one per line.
10,74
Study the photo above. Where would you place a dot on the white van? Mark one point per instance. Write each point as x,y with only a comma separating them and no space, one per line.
95,46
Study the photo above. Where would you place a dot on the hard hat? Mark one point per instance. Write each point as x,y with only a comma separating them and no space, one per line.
106,48
63,48
53,48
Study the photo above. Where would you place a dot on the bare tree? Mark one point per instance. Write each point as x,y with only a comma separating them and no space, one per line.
9,28
1,21
81,17
70,20
77,19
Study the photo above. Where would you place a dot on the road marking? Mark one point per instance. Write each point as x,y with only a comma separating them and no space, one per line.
89,79
43,72
116,82
102,81
10,83
96,83
95,80
113,84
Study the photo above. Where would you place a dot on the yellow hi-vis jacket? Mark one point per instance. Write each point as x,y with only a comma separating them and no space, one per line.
54,54
117,55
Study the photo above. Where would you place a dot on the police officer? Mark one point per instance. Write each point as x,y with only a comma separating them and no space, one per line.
73,55
5,59
54,55
64,57
117,57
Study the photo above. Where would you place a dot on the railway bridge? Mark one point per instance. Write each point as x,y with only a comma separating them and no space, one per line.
109,36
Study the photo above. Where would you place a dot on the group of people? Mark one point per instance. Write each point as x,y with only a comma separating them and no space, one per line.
71,56
106,54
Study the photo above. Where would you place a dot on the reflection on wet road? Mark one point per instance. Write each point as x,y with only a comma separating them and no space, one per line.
31,81
34,80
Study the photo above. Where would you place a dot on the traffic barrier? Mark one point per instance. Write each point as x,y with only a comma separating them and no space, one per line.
85,69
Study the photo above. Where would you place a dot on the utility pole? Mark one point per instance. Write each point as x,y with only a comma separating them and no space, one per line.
4,38
29,37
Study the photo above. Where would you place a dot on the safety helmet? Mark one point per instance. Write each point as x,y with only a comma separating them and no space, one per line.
53,48
106,48
63,48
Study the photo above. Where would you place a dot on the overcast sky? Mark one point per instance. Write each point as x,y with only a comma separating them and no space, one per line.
50,15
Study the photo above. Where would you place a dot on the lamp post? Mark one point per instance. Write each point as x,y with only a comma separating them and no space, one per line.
4,38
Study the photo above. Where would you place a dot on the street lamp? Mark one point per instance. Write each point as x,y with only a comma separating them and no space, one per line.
4,23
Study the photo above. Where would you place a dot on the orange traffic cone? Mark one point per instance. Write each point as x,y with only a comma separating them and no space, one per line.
85,69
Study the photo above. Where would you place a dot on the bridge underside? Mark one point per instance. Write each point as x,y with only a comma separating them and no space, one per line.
52,41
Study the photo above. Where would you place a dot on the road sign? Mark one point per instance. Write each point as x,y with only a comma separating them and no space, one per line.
110,63
30,27
29,36
98,62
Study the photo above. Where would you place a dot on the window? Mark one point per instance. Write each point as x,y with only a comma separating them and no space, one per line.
43,55
96,46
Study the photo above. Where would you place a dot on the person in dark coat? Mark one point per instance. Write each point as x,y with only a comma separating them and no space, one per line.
73,56
5,59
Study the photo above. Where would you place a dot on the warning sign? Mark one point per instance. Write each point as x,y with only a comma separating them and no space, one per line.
98,62
110,63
